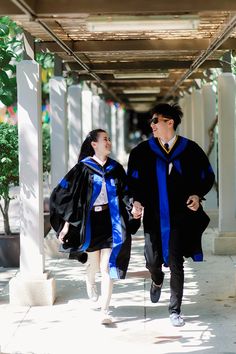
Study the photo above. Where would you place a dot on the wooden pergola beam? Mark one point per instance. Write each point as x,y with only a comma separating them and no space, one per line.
134,45
109,78
147,65
73,7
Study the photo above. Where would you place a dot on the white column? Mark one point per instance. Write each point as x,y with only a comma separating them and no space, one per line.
102,115
120,136
31,286
59,129
74,123
197,118
209,111
181,130
209,114
188,115
226,242
108,118
95,111
86,111
113,130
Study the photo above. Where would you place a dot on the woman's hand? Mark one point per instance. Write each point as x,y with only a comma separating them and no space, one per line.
137,210
193,202
63,232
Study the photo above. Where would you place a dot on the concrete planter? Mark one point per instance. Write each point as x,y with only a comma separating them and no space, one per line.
10,246
10,251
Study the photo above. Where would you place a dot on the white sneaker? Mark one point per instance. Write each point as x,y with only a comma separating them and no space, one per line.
92,292
106,319
176,320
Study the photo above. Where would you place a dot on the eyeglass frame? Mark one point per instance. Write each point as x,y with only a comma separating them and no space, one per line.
155,120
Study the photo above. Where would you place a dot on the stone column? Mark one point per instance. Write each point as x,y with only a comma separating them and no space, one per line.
86,111
225,243
121,156
95,111
113,130
74,123
181,130
188,116
209,114
32,286
102,115
59,129
197,118
108,118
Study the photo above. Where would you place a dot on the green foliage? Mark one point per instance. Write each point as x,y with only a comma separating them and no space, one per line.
46,60
46,148
8,158
10,53
9,164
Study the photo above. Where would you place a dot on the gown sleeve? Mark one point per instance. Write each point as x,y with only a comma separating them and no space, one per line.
133,224
65,199
205,176
134,180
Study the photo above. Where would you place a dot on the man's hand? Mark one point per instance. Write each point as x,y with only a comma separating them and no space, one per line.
137,210
63,232
193,202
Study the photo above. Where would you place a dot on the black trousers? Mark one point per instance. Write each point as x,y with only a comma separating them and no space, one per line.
154,265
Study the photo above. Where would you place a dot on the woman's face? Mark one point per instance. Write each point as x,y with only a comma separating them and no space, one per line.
103,145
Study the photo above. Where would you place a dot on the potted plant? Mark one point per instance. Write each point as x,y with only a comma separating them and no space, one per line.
9,243
9,177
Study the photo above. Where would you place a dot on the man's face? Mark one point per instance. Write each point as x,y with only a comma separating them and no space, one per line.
160,125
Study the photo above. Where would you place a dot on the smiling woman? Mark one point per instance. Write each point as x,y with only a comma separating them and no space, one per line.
90,213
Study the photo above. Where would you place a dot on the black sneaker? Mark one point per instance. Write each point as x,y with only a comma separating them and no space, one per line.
155,292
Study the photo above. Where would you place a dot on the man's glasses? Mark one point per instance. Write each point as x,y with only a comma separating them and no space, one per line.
156,120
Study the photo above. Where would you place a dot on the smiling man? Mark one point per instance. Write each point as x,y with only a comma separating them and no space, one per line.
169,176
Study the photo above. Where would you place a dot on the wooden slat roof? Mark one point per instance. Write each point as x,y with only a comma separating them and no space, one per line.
107,54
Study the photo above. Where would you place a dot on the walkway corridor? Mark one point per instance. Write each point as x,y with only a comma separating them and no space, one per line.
72,326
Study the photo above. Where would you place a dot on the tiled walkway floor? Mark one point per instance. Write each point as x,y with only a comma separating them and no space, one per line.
72,325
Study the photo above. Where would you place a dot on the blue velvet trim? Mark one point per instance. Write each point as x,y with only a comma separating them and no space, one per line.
112,164
88,161
177,166
64,183
97,186
161,173
197,257
180,148
203,175
116,227
114,211
182,143
135,174
164,208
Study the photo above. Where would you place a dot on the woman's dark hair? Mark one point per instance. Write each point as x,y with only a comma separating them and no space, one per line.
169,111
86,147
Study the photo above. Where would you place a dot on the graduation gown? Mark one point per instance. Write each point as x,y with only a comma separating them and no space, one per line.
73,199
164,194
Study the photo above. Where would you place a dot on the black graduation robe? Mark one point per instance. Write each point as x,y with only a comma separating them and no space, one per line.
164,194
73,199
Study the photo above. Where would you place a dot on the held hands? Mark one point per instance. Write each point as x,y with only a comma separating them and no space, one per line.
63,232
137,210
193,202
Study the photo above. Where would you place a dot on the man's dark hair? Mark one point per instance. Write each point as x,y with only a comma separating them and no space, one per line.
169,111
